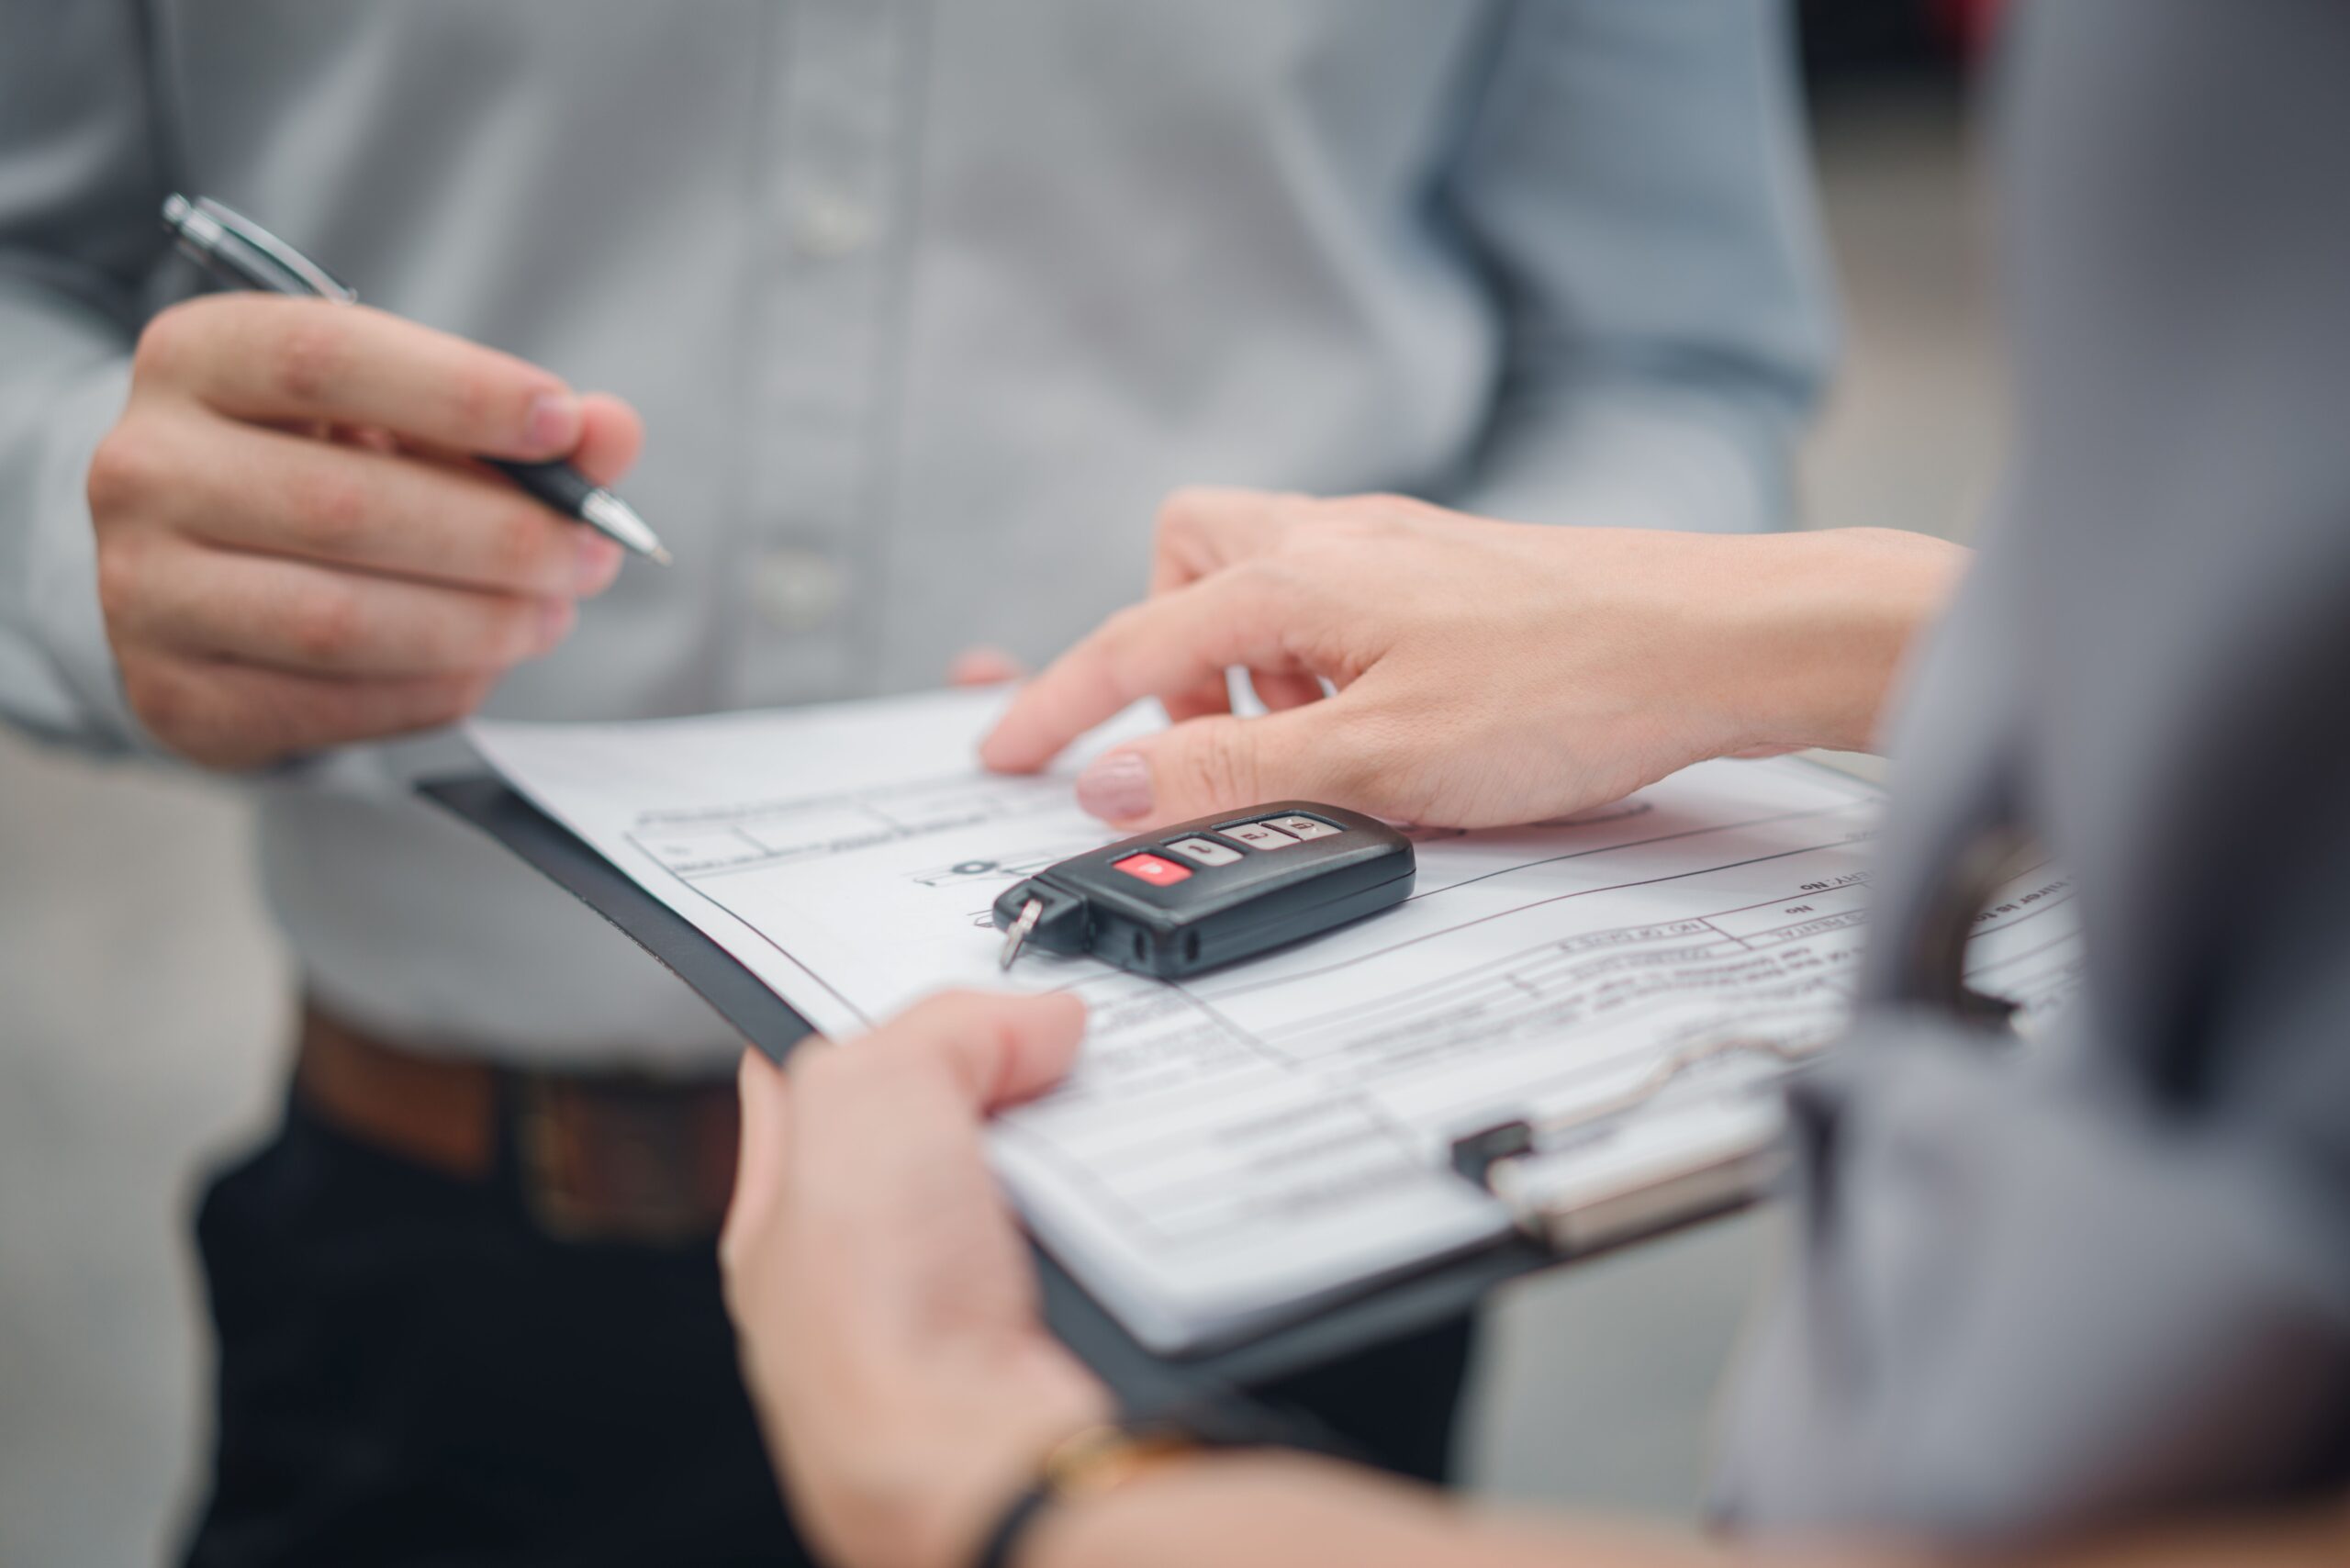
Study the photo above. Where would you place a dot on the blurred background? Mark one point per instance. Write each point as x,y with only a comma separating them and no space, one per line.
140,985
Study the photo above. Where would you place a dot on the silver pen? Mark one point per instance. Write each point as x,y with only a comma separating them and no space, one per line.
243,254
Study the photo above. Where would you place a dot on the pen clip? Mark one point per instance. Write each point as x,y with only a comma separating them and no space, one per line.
202,224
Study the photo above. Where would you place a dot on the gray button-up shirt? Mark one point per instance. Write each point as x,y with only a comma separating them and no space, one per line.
925,306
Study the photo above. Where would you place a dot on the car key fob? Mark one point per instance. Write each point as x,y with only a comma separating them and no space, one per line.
1209,892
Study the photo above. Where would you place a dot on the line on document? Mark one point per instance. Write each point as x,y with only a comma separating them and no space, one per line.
1537,903
1528,1031
2010,924
2044,989
705,816
1988,965
754,929
1562,971
1790,998
1859,881
1139,1155
1626,943
1377,1113
1531,1091
1637,842
866,805
1729,935
1084,1183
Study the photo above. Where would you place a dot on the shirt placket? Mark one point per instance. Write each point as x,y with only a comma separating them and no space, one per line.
835,148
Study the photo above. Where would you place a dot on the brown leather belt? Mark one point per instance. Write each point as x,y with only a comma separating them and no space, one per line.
597,1157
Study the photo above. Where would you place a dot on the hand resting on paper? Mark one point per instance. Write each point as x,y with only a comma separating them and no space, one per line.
1485,672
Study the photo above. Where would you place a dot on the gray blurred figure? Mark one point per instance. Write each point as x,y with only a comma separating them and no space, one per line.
2110,1279
924,307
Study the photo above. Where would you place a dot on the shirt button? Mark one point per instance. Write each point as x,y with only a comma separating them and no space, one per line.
797,590
829,227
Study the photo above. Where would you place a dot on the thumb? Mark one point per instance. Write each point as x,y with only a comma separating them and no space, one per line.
998,1049
759,1165
1203,766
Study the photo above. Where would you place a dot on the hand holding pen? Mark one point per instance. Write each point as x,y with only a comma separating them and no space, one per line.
295,545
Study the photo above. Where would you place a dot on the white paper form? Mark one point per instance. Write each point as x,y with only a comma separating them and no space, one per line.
1235,1148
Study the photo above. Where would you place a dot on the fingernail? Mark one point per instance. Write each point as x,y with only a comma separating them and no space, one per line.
598,564
1116,787
556,616
553,422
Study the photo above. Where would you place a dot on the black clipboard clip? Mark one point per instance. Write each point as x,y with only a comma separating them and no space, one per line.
1721,1167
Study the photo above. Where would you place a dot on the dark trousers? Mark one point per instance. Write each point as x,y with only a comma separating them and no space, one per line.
411,1371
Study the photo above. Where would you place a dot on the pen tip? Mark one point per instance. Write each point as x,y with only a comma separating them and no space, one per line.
659,556
615,519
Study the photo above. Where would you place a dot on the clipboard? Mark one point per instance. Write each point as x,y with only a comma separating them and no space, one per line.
1382,1312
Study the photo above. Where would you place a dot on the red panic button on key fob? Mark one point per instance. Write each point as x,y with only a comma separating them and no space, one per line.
1197,895
1159,871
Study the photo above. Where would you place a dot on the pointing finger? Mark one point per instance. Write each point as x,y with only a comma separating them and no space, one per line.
1318,752
1173,644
